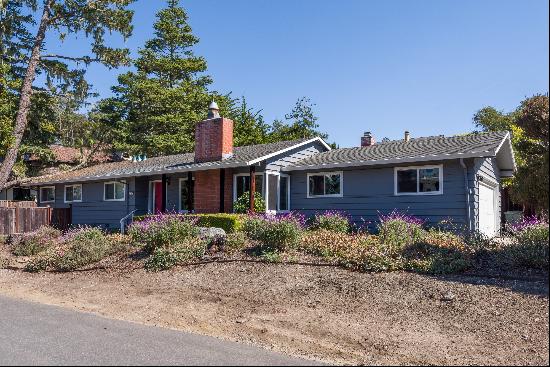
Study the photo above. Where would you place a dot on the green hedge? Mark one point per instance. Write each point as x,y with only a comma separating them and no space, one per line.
230,223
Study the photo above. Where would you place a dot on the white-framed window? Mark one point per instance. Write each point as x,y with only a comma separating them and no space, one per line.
47,194
241,184
325,184
73,193
185,194
114,191
418,180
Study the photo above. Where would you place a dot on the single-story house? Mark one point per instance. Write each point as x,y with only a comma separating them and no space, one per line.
437,178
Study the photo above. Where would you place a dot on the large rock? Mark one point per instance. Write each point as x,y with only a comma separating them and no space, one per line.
213,236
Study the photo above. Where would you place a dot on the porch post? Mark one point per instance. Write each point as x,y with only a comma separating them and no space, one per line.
163,196
252,186
189,191
222,190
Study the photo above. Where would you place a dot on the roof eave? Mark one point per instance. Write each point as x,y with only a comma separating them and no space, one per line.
274,154
380,162
138,174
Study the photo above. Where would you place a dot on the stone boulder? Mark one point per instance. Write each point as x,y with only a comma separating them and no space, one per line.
215,237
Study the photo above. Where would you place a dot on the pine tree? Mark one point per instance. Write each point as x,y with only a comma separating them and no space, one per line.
92,19
168,93
301,123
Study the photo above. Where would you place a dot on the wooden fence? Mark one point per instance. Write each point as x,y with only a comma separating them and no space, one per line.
17,204
27,219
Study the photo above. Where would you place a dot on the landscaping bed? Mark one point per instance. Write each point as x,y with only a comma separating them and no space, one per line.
405,295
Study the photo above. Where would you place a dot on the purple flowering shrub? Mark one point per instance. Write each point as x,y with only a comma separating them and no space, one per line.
331,220
275,232
162,230
77,248
529,246
32,243
169,239
397,230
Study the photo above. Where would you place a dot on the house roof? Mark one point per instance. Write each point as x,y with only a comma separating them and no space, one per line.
242,156
70,155
433,148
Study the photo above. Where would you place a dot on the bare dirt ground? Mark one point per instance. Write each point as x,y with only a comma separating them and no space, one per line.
317,312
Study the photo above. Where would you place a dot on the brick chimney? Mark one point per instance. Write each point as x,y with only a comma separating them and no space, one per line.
367,139
407,136
213,137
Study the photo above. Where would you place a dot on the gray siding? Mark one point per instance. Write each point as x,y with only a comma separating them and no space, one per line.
369,192
93,210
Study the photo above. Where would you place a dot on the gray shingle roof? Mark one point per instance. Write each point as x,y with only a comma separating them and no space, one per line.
419,149
165,164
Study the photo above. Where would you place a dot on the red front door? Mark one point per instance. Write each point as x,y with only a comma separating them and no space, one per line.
158,197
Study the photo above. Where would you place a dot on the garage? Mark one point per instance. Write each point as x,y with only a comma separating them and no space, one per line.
487,210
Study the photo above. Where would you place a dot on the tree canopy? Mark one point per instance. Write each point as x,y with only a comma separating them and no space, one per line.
528,125
63,74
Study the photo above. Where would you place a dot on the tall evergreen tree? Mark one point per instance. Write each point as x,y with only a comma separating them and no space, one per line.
63,75
301,123
168,93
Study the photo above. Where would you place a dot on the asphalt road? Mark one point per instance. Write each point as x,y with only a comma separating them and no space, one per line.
36,334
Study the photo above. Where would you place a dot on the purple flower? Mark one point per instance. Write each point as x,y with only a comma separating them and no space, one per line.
526,223
396,215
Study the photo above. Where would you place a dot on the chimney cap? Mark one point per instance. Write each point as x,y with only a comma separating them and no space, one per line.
213,110
213,106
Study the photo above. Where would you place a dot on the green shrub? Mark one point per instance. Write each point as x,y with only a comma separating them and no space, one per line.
274,232
78,248
332,221
271,256
162,230
235,241
242,204
439,252
32,243
398,230
170,255
529,247
228,222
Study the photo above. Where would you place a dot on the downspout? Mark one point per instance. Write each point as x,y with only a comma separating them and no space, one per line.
467,189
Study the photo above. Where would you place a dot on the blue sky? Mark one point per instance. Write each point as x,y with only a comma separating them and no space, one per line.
380,66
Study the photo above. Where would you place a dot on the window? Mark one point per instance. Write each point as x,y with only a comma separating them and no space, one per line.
242,184
423,180
324,184
114,191
47,194
284,193
73,193
187,195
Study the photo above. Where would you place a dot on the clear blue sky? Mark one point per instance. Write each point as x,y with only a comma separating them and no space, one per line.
381,66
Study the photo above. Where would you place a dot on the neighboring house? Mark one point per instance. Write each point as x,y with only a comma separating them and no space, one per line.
437,178
62,156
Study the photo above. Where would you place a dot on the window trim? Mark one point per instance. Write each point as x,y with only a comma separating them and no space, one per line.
114,182
180,210
65,194
246,175
47,187
326,173
418,192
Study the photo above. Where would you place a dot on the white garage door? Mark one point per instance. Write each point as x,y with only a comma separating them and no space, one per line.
487,210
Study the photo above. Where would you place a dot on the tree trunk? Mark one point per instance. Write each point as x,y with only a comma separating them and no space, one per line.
25,97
